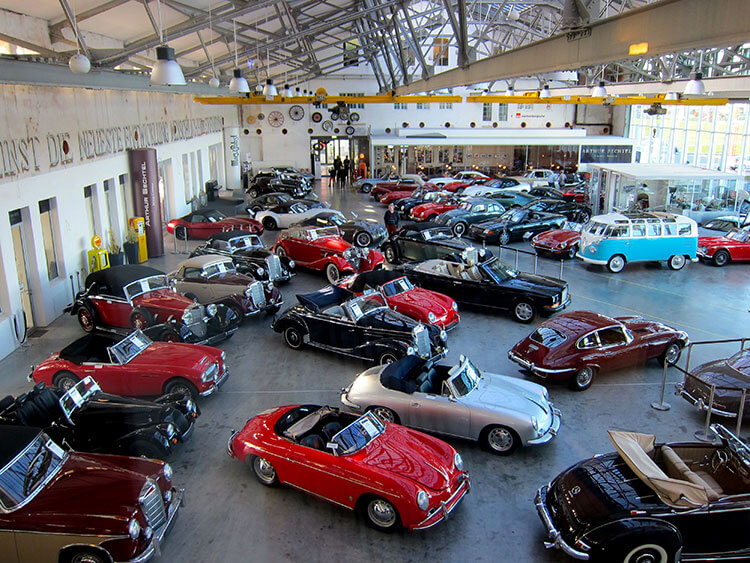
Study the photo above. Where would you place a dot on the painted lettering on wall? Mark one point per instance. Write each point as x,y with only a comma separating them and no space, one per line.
234,146
18,155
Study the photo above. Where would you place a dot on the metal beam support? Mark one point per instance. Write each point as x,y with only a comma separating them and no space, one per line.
463,40
74,26
56,27
151,17
415,42
30,46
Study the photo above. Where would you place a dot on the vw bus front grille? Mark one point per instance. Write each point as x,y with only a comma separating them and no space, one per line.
257,295
273,263
153,506
422,341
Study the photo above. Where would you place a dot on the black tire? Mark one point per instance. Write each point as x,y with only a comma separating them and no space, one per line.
280,252
721,258
645,549
616,264
332,273
269,224
363,239
255,209
86,318
366,188
431,218
144,448
140,318
253,193
273,310
263,470
387,358
500,440
584,216
504,238
238,313
572,251
677,262
85,556
380,514
385,414
459,229
671,353
170,335
294,338
524,311
583,378
183,387
64,380
390,254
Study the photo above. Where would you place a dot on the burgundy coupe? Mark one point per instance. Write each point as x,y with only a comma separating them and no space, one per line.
559,242
206,223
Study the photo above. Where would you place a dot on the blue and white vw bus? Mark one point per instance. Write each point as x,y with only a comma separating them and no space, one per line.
615,239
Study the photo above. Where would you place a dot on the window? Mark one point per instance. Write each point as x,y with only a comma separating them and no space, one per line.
612,336
352,95
351,52
639,230
399,105
588,341
443,156
423,105
685,229
670,229
48,213
88,195
502,112
440,51
653,229
486,112
446,105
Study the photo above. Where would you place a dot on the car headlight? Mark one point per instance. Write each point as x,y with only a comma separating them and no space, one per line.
168,471
212,309
455,306
701,249
168,496
190,406
423,501
564,244
269,286
431,317
260,271
134,529
411,350
458,461
535,424
443,335
171,430
592,249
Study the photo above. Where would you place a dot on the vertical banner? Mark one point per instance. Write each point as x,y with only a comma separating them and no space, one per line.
232,160
144,174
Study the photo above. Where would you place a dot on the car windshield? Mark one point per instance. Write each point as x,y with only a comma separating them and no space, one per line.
152,283
570,226
336,219
431,234
358,434
322,232
248,241
397,286
360,306
739,236
77,396
595,228
129,347
21,479
513,215
500,270
213,216
465,205
464,377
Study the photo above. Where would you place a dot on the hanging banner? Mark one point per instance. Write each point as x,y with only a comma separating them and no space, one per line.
144,174
232,159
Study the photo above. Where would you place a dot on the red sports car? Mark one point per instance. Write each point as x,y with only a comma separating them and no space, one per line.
429,211
559,242
379,191
575,346
206,223
577,194
732,247
396,195
393,476
323,249
429,307
136,366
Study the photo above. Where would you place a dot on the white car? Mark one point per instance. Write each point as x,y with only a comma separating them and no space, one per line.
286,213
366,185
458,177
541,177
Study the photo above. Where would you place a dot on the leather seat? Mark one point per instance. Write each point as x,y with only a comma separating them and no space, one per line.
677,469
313,441
6,403
331,429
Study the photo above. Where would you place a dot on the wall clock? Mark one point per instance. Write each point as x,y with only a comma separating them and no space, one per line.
276,119
296,112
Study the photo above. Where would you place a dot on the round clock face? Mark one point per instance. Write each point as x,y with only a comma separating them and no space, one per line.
317,117
327,125
261,117
296,112
275,119
350,130
354,117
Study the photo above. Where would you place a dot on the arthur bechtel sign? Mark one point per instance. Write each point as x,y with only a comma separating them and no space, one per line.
144,174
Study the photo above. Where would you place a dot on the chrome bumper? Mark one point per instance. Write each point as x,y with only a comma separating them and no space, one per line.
541,372
154,547
699,402
230,451
557,542
551,431
558,307
347,403
446,506
591,260
217,383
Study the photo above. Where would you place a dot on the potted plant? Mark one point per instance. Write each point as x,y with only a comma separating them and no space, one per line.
131,245
116,256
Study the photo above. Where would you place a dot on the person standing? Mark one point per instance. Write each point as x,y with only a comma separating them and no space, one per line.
391,219
362,168
347,169
336,170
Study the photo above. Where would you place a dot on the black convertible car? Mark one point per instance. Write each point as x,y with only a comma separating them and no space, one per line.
363,327
249,256
91,421
490,285
269,181
575,212
427,241
516,224
360,232
266,201
651,502
474,210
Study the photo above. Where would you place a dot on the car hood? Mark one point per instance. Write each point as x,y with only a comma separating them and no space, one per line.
728,372
333,244
253,253
103,409
558,236
172,357
369,225
535,283
164,299
723,242
429,301
502,393
410,454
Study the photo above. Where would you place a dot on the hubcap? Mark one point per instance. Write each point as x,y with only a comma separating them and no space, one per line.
382,513
672,353
500,439
459,229
390,255
524,311
584,377
333,274
264,470
678,261
385,414
67,383
617,264
504,238
363,239
139,322
292,337
85,319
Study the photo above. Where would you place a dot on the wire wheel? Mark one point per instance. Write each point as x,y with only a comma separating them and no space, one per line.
672,353
504,238
385,413
138,321
296,112
183,387
582,379
86,319
332,273
65,380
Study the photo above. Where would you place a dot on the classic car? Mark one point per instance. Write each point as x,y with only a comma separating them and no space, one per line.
429,210
418,197
474,210
323,249
649,502
135,366
440,181
501,413
268,181
730,376
205,223
396,196
393,476
414,243
483,188
92,421
285,214
363,327
382,189
365,185
420,304
547,192
249,256
575,212
577,194
266,201
723,224
284,169
559,242
571,181
515,224
732,247
359,232
60,505
575,346
490,285
214,279
510,198
133,296
541,177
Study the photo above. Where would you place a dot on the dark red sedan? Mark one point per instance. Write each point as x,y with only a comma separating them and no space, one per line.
575,346
206,223
430,210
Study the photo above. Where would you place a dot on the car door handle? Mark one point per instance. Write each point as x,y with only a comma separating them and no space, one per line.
414,404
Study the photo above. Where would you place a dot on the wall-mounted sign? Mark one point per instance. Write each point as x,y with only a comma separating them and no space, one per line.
146,203
607,153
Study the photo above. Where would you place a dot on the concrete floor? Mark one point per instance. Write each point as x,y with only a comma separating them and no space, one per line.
229,516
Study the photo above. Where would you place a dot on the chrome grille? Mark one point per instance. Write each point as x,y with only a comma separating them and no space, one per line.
257,294
564,295
422,341
273,264
153,505
194,320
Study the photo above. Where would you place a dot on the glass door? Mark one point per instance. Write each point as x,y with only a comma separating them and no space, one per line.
19,253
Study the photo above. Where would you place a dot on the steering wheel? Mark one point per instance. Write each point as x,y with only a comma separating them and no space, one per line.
719,459
37,469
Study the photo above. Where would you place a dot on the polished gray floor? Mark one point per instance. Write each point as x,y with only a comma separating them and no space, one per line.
230,517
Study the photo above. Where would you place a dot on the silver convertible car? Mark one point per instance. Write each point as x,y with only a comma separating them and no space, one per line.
500,412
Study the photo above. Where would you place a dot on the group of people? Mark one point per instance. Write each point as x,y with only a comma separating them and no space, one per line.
341,171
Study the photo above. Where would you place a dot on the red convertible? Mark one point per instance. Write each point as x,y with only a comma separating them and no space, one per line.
559,242
393,197
323,249
732,247
429,307
429,211
393,476
379,191
575,346
135,366
206,223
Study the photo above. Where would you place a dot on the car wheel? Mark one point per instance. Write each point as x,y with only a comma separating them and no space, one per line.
504,238
616,263
264,471
332,273
140,319
380,514
459,228
500,440
183,387
390,254
170,335
583,379
273,309
238,313
646,550
677,262
671,354
142,448
572,251
280,252
255,208
366,188
269,224
524,311
387,358
86,319
293,337
253,193
721,258
431,218
384,413
584,217
86,556
65,380
363,239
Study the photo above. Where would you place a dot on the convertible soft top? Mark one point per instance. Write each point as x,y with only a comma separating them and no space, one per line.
402,375
373,278
112,280
321,299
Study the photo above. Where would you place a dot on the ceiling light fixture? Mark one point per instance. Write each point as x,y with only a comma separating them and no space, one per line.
599,91
695,87
286,92
510,91
78,63
545,93
672,96
166,71
238,83
269,90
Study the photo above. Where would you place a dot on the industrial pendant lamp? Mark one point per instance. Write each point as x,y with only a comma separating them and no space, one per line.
286,92
166,71
78,63
695,87
545,93
238,84
672,96
510,91
599,91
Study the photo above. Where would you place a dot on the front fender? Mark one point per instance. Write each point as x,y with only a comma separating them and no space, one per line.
374,349
288,318
606,539
150,434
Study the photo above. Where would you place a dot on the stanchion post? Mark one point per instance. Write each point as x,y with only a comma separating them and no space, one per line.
687,364
661,405
561,268
741,412
516,266
704,436
536,259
